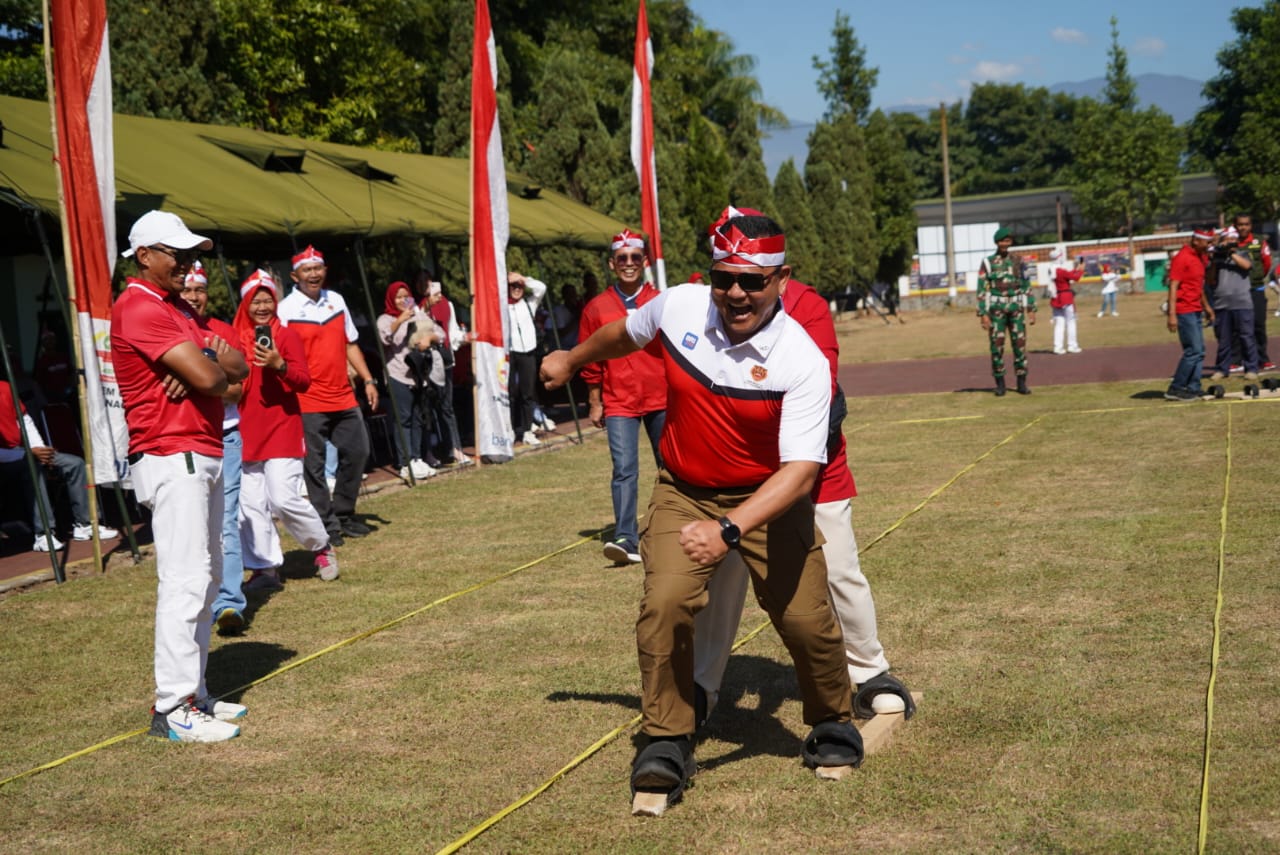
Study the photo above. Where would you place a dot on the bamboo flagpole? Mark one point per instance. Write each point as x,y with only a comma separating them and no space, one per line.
642,156
78,74
490,230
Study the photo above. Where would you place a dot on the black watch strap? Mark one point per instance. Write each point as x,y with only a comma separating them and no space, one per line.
730,533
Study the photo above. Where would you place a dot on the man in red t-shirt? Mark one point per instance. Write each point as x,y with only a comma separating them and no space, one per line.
625,394
1186,302
172,375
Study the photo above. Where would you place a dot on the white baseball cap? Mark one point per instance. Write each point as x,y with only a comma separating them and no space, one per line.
1056,255
163,227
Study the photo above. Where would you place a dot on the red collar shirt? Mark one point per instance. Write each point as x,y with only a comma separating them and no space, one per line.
636,384
325,327
735,412
146,323
1187,269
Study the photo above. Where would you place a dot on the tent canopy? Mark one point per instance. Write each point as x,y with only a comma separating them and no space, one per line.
254,190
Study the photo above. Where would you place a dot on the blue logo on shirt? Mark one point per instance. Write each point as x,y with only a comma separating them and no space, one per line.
690,341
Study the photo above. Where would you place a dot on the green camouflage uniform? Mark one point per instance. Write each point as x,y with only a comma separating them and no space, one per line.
1005,297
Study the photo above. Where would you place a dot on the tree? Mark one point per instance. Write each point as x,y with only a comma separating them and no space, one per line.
839,182
845,81
893,199
1022,137
1238,129
1126,161
796,218
21,54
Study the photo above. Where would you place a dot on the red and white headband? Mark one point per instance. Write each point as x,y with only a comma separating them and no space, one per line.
196,275
625,239
259,278
1203,234
731,246
310,255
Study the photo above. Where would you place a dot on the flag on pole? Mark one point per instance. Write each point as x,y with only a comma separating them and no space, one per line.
86,162
642,146
490,228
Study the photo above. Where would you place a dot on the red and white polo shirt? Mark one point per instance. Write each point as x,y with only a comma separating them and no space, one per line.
325,327
735,413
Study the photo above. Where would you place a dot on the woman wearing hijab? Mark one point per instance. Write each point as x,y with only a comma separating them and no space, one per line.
271,427
400,317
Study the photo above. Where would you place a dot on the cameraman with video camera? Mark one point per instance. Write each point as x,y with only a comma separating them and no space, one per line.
1229,267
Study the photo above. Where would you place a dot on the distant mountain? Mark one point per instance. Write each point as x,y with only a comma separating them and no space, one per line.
1178,96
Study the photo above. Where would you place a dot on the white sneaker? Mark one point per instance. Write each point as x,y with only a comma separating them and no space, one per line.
1100,314
548,425
326,562
332,482
1059,351
42,544
422,469
222,710
530,439
1075,350
1115,314
189,723
85,532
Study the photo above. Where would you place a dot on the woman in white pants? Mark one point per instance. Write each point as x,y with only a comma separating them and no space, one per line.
271,428
1063,301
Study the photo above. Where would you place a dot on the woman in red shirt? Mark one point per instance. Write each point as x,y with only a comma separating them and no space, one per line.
271,427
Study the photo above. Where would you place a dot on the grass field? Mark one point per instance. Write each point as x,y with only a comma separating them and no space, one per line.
1047,572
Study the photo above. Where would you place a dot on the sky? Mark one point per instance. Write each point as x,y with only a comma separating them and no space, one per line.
929,51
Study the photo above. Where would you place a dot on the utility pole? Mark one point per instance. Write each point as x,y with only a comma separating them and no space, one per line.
946,208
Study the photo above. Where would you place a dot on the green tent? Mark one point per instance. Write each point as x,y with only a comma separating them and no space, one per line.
259,193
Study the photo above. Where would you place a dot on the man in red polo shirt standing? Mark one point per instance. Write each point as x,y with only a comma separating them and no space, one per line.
172,375
625,394
329,409
1186,302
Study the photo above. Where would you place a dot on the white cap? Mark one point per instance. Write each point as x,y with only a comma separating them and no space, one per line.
1056,255
163,227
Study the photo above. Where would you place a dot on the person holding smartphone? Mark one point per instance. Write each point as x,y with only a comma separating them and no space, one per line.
400,317
271,427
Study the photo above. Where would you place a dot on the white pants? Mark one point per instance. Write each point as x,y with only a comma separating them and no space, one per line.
274,488
715,627
184,493
1064,324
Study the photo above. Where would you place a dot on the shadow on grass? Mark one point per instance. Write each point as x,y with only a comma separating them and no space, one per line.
241,662
1147,395
756,731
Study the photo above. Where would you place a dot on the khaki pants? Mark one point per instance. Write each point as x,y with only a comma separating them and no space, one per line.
790,580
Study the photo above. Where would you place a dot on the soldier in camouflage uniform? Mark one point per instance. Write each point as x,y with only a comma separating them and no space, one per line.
1004,297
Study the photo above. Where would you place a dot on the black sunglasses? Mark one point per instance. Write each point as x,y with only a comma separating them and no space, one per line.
634,258
184,257
722,280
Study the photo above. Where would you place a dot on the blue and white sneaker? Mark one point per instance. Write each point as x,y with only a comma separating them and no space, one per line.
622,551
188,723
222,710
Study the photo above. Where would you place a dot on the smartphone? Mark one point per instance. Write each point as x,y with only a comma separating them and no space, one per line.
262,336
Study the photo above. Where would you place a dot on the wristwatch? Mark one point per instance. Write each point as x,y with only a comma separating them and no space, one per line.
210,353
730,533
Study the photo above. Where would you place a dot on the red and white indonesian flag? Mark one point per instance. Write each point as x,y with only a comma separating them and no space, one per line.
86,162
490,228
642,146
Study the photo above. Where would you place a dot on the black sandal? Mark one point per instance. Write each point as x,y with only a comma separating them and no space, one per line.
665,765
833,743
882,683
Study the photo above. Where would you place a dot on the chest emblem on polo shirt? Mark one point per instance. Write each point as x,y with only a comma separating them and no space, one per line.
689,342
758,373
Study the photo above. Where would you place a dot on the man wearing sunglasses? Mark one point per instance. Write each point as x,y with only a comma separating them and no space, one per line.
748,401
627,394
172,374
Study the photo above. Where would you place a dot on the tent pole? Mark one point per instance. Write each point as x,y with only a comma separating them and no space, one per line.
382,353
222,265
555,333
75,355
30,458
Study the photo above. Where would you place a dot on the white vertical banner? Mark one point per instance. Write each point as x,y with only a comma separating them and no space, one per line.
86,163
490,230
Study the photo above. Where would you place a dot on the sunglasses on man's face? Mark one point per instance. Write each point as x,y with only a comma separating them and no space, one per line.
629,258
722,280
184,257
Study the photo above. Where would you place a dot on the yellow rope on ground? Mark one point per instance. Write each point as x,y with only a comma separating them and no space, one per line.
1203,832
323,651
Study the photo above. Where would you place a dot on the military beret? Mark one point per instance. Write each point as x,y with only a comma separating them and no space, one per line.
1001,234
